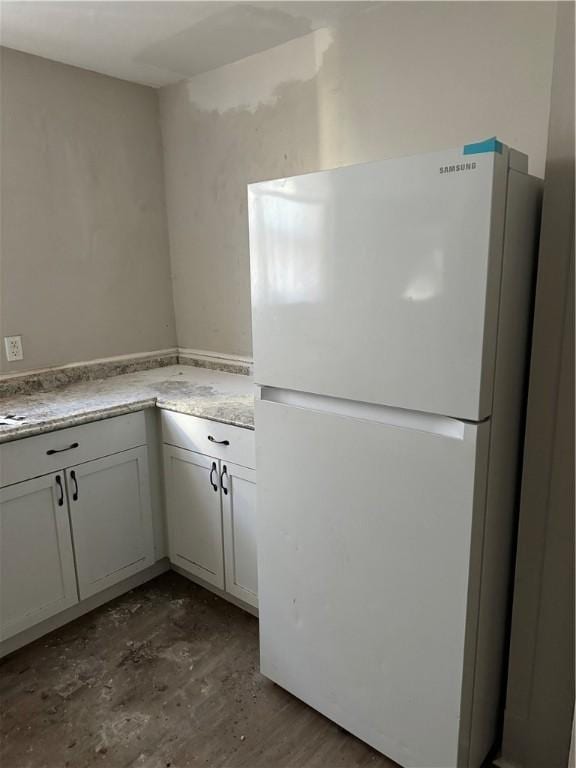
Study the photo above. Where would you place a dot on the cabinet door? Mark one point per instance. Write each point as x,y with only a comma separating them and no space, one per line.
111,519
37,578
239,516
194,513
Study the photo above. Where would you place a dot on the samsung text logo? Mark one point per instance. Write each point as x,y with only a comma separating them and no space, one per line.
457,168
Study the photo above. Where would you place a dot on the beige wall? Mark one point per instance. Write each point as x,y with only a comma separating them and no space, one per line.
84,253
540,687
400,78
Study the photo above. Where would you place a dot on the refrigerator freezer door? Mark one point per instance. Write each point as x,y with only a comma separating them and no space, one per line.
366,536
380,282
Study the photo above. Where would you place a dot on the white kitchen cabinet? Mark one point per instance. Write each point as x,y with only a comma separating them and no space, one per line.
37,578
78,508
111,518
238,485
194,513
211,502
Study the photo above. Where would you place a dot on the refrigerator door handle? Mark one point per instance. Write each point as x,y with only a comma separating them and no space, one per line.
437,424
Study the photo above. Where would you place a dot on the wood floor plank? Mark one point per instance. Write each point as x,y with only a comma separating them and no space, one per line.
163,677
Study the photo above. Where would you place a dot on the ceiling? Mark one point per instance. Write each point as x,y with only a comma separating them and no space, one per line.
157,43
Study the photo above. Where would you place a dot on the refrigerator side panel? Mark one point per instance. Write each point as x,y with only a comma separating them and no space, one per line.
493,282
364,542
380,282
485,664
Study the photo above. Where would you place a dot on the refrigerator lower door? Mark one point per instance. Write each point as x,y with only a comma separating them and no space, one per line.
366,536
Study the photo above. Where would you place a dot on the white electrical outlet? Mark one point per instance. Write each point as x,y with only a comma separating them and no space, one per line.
13,346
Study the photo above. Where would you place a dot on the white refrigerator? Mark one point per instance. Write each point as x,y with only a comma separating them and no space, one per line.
391,316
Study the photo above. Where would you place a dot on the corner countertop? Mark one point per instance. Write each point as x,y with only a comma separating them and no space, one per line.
223,397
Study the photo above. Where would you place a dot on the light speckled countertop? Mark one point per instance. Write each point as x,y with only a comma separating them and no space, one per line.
224,397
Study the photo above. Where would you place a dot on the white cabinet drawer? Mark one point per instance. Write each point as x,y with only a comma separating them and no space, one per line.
222,441
52,451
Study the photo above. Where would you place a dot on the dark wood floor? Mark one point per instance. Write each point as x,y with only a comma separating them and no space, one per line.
164,677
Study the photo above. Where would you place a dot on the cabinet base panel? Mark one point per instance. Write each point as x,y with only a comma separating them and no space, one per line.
224,595
83,607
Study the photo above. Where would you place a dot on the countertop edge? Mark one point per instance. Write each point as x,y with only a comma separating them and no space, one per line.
53,425
199,415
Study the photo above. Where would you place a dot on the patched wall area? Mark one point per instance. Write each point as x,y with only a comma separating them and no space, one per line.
399,78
